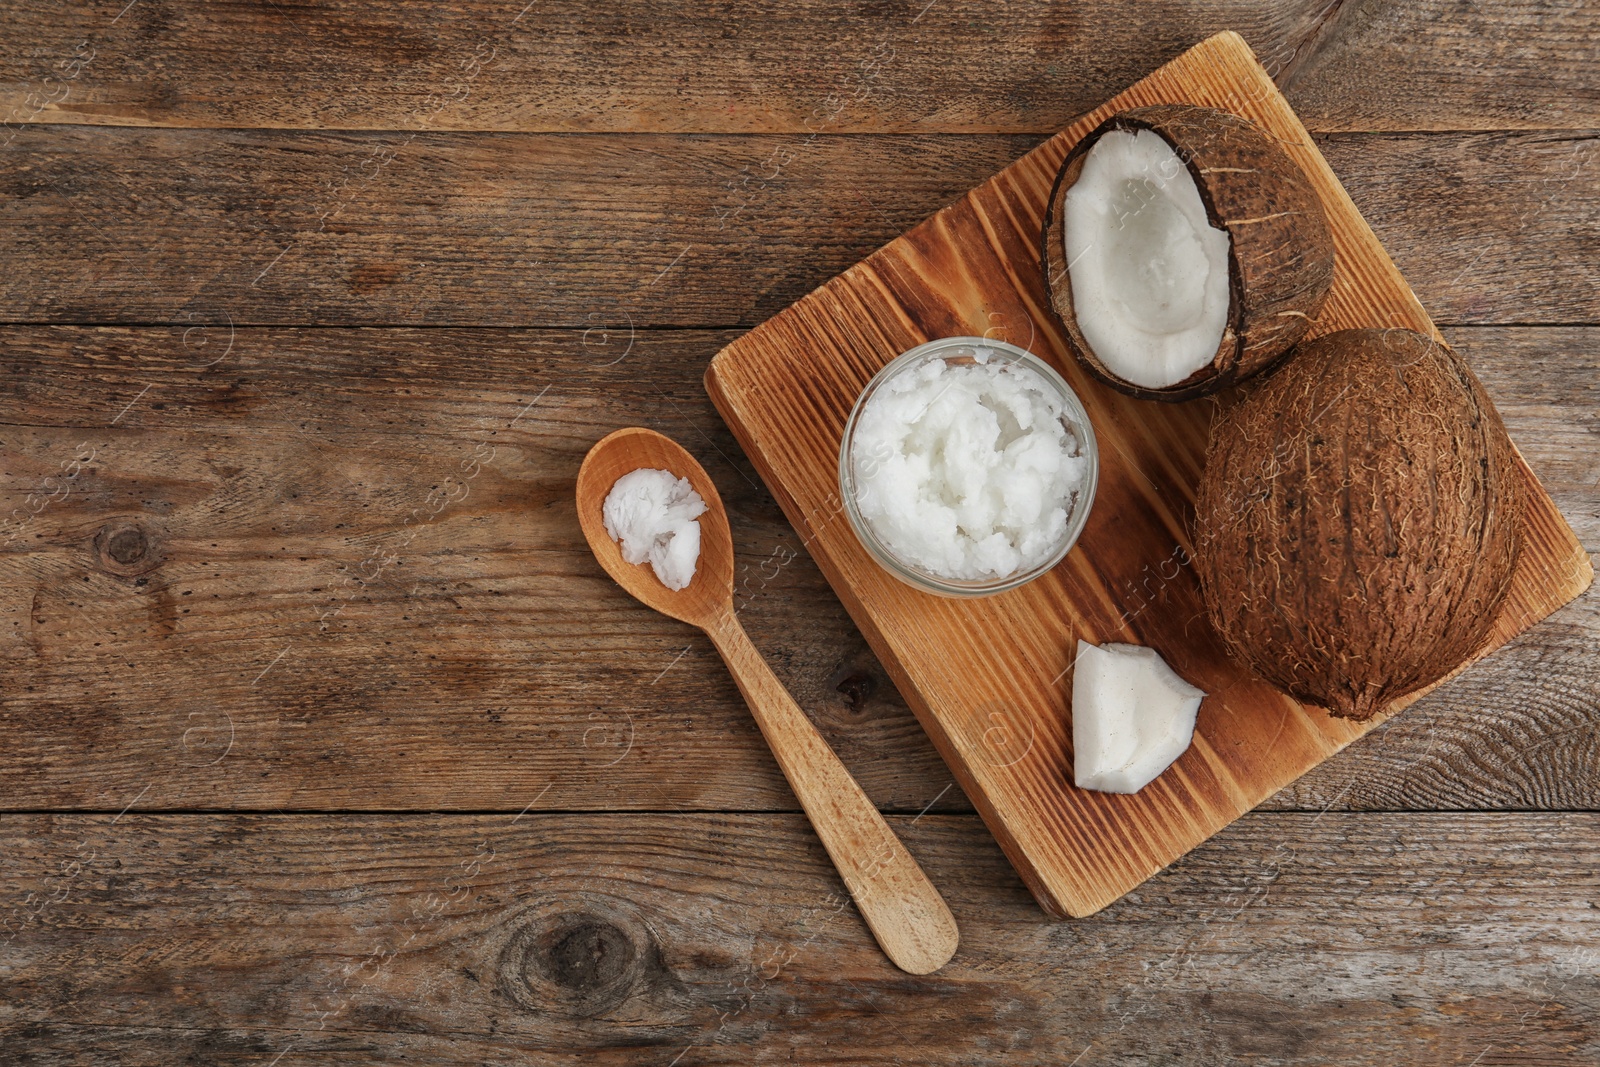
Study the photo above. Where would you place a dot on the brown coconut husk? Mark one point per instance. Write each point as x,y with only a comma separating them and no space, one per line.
1359,520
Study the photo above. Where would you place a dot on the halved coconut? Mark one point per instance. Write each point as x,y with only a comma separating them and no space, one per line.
1183,251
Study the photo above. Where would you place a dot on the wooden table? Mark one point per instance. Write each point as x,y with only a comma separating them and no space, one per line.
326,741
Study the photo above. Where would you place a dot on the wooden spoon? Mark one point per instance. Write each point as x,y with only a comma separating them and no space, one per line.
902,908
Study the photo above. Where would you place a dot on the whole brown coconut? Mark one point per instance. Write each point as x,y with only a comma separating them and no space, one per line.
1280,259
1358,520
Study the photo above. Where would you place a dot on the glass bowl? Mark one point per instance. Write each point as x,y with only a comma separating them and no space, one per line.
964,350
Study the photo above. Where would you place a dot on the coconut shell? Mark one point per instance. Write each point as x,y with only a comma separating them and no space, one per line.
1358,520
1280,255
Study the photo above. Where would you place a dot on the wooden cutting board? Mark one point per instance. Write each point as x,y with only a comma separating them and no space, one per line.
990,678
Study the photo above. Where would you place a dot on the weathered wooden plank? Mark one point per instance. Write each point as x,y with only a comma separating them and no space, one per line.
145,226
1546,383
354,535
796,67
475,657
1474,221
1443,65
625,939
464,229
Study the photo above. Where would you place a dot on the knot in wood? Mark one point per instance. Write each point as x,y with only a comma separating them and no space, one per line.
578,960
127,547
586,954
857,687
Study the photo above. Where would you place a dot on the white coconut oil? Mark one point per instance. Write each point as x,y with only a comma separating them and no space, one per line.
654,516
967,469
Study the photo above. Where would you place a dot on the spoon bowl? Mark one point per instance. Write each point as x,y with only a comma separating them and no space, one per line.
901,907
711,590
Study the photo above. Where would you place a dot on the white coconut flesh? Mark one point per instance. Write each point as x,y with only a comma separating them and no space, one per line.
1131,717
1149,272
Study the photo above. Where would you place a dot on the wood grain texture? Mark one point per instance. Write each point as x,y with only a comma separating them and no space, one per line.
565,66
463,229
989,678
725,939
791,67
1463,186
146,226
326,444
352,530
1444,65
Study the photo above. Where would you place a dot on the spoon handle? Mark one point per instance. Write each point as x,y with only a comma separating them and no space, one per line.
902,908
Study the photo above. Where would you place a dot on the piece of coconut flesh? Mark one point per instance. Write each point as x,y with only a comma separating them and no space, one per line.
1149,272
653,515
1131,717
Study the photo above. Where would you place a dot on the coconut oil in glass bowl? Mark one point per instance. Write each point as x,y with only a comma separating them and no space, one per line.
968,467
